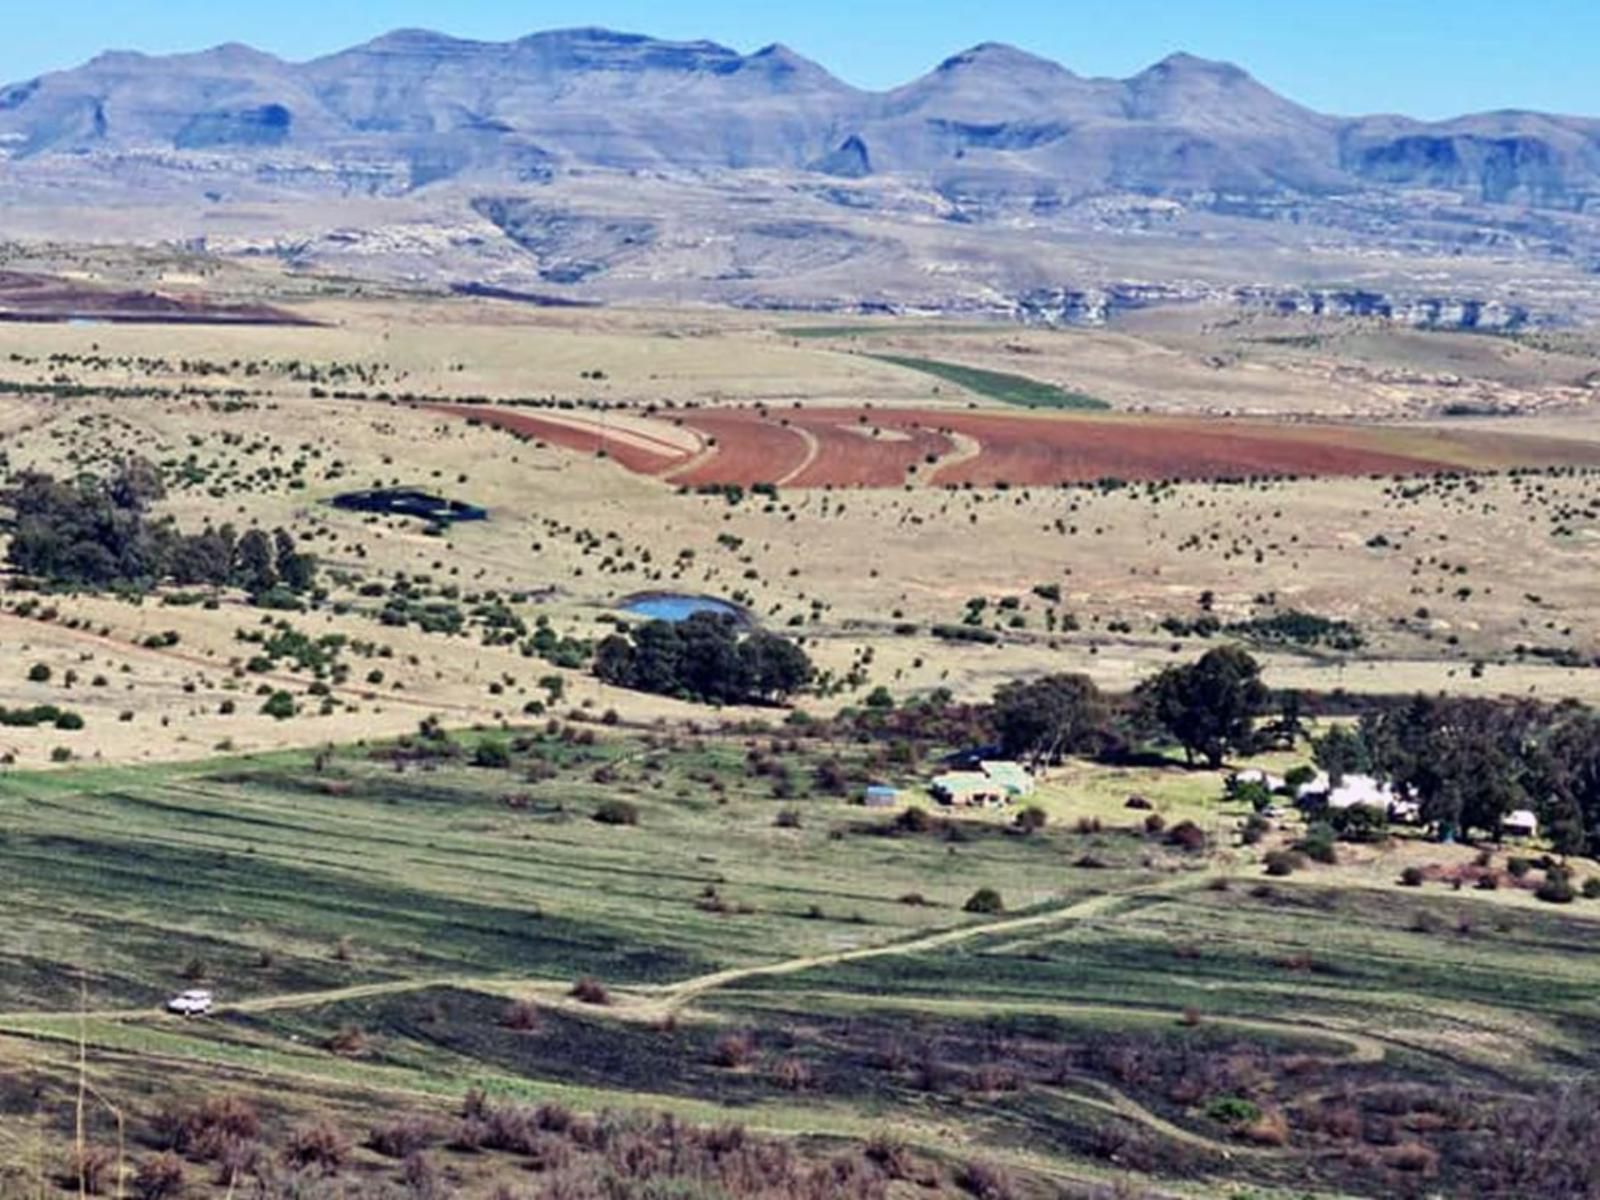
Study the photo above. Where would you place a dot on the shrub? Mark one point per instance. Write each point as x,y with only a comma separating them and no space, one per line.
890,1155
792,1074
39,673
1271,1128
1412,1158
1155,823
1032,819
1557,887
1187,836
159,1177
1255,828
1591,888
1283,862
1412,877
520,1015
985,901
318,1145
348,1040
983,1181
1233,1110
1518,867
913,820
491,755
590,991
617,812
787,818
404,1137
733,1050
1318,844
89,1167
280,706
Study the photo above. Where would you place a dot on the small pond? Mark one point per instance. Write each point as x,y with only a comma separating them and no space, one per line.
675,606
409,502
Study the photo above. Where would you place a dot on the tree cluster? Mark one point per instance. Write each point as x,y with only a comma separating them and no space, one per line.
705,659
1210,707
1471,762
99,534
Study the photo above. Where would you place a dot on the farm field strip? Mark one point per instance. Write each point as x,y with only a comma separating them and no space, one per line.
884,447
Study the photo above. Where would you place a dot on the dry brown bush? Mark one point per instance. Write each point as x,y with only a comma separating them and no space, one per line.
319,1145
1412,1158
1271,1128
520,1015
733,1050
793,1074
160,1177
349,1041
403,1137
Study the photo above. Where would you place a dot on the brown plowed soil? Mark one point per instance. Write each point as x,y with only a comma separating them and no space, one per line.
749,448
877,447
858,449
634,452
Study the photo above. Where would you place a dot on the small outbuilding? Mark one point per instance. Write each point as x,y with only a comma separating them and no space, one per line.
878,796
1520,824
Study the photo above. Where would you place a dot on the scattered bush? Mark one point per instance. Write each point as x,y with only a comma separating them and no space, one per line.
1556,887
403,1137
319,1145
521,1015
733,1050
617,812
1284,862
590,991
1233,1110
160,1177
280,706
1188,837
985,901
1412,877
1032,819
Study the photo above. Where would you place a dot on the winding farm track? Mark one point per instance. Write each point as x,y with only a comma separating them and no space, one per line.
879,447
656,1005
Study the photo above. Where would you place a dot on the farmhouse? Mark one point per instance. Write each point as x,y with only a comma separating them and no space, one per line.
1359,791
994,784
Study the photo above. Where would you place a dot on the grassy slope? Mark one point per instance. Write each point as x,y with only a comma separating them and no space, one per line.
450,903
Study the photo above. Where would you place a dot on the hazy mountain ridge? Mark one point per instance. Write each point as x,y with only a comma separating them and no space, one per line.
426,107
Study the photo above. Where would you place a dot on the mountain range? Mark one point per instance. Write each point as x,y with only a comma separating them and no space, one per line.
546,138
414,107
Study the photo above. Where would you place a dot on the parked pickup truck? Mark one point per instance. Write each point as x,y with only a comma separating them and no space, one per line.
193,1003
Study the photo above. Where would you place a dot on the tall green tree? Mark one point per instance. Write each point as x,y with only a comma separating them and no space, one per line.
1210,706
1043,719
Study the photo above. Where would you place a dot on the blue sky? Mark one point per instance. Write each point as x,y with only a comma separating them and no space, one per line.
1425,57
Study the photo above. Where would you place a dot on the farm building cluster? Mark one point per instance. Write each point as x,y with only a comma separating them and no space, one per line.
1323,793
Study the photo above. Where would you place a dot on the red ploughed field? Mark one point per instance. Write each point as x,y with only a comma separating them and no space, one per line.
888,447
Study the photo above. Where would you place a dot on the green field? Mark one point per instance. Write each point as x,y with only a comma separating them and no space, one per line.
1138,1016
998,385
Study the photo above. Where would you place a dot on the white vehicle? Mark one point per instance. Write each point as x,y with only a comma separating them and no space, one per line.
194,1003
